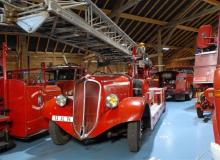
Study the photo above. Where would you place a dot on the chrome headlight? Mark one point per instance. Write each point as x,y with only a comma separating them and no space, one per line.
61,100
112,101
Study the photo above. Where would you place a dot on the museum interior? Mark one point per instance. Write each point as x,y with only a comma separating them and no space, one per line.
110,79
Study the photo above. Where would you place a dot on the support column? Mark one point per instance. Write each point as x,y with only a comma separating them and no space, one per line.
159,51
23,52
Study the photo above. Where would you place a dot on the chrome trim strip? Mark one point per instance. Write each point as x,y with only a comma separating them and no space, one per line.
74,127
84,109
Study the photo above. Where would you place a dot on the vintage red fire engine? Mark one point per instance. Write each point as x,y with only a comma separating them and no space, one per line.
178,84
215,147
205,64
109,103
24,106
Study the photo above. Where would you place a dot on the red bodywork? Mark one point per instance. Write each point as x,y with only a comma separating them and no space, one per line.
25,93
25,107
205,64
176,84
216,113
24,103
215,147
91,117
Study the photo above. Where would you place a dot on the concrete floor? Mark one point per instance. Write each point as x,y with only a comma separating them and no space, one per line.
179,135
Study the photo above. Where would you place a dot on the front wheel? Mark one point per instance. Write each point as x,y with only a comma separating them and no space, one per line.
199,113
58,135
134,136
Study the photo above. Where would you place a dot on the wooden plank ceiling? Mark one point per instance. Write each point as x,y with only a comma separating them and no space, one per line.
178,19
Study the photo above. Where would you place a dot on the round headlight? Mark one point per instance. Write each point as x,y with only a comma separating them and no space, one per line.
61,100
112,101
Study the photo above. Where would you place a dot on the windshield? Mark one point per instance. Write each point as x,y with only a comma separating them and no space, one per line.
66,74
60,74
51,76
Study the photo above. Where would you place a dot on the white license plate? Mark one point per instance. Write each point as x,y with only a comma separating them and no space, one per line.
62,118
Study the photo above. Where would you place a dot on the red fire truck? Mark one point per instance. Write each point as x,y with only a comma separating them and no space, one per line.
205,64
177,84
215,147
108,104
26,91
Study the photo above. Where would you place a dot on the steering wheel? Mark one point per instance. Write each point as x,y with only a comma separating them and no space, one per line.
100,73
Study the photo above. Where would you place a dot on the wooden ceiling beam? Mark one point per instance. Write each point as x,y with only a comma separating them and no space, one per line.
180,12
146,20
212,2
131,22
150,21
116,11
195,16
144,30
121,7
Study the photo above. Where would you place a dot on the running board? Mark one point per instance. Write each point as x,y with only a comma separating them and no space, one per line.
156,112
158,104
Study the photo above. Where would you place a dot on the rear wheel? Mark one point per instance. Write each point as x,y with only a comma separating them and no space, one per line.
58,135
199,113
134,136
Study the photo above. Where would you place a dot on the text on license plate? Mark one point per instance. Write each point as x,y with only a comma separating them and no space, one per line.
62,118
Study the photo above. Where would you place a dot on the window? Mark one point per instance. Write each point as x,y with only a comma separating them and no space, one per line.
66,74
51,76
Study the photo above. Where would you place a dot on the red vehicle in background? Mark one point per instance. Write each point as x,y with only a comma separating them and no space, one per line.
177,84
25,93
64,77
205,64
108,104
215,147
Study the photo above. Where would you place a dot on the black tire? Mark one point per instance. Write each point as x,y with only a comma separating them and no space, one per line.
134,136
189,96
199,113
58,135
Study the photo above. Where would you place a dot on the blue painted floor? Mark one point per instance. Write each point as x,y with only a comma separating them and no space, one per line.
179,135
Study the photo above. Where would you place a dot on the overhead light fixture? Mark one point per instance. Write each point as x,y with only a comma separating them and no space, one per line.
31,23
166,49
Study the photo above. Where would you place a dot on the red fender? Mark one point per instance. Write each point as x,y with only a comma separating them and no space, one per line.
129,109
51,108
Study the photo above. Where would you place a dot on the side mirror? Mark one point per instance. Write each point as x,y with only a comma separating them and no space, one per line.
204,36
